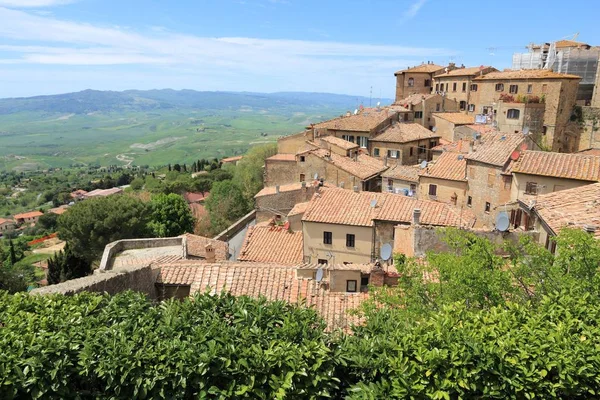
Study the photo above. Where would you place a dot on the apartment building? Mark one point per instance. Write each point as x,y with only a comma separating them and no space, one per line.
445,123
404,143
401,179
456,84
416,80
445,180
556,92
424,105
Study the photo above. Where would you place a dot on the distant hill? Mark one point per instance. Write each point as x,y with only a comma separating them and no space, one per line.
88,101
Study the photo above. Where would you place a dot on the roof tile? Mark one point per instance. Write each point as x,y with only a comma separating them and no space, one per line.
560,165
403,132
450,166
272,244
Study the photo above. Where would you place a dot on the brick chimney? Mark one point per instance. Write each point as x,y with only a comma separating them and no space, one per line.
210,253
377,276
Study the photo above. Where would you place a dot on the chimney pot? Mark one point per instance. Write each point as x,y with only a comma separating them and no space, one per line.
210,253
416,216
277,189
355,188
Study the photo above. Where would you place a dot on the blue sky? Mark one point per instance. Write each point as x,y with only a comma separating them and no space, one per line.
345,46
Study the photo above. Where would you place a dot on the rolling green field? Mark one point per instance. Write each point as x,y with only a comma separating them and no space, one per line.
38,140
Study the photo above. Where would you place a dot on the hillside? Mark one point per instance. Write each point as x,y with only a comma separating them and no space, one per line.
153,127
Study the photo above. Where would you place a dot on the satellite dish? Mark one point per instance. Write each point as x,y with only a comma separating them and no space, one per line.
316,176
502,222
526,130
319,276
515,155
373,203
423,165
386,252
433,129
356,111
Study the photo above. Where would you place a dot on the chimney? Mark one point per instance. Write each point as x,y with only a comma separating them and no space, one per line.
210,253
416,216
591,229
355,188
277,189
377,276
471,146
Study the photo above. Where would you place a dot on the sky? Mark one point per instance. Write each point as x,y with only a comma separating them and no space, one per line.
335,46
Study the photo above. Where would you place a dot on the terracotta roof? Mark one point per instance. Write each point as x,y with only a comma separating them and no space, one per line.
404,172
525,74
364,268
231,159
471,71
59,210
365,121
404,132
346,207
461,146
569,43
282,157
299,208
31,214
266,280
495,149
341,143
271,190
457,118
424,68
78,193
103,192
450,166
192,197
364,167
415,99
560,165
272,244
482,128
590,152
5,221
571,208
196,247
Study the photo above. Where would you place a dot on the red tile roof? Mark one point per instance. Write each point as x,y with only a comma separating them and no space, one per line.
470,71
31,214
590,152
59,210
272,244
341,143
560,165
196,247
346,207
525,74
495,149
450,166
192,197
6,221
423,68
103,192
462,146
405,172
364,167
299,208
365,121
457,118
404,132
271,190
282,157
415,99
267,280
571,208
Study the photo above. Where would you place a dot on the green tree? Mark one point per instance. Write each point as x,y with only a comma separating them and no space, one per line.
248,174
170,216
91,224
225,205
137,184
65,265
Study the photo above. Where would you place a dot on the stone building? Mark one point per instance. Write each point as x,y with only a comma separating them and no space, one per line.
278,201
540,172
416,80
424,105
557,92
445,123
401,179
458,83
404,143
28,217
445,180
6,225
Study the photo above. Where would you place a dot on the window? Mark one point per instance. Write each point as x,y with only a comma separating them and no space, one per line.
491,179
544,130
471,107
363,141
447,87
507,182
499,87
321,261
375,152
488,207
432,190
350,240
302,158
364,281
411,82
531,188
327,238
513,114
393,153
463,105
464,86
437,87
469,201
427,83
432,144
410,152
348,138
529,88
418,114
454,87
474,87
302,177
351,286
514,89
438,107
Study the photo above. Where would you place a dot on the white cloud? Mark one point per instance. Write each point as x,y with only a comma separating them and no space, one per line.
413,10
33,3
282,64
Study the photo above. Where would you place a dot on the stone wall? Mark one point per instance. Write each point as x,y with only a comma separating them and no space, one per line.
589,137
292,143
137,278
281,172
281,203
114,248
487,184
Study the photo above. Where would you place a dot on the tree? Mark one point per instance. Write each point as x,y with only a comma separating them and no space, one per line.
91,224
225,205
177,167
137,184
65,265
170,216
202,184
248,173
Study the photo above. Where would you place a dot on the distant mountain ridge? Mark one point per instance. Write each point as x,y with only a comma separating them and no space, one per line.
88,101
